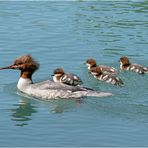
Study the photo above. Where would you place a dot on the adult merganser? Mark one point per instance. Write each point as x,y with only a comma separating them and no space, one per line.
126,65
47,89
67,78
108,78
105,69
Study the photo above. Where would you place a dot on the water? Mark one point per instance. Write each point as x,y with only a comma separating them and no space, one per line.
65,34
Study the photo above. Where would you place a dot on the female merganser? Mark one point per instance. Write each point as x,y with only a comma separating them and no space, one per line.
67,78
126,65
47,89
108,78
105,69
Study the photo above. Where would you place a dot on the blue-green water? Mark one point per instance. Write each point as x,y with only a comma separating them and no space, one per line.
65,34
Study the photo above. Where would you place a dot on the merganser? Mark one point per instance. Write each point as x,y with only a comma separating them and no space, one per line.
126,65
47,89
67,78
105,69
108,78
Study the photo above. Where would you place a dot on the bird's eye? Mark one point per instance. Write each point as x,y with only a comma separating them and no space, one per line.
18,63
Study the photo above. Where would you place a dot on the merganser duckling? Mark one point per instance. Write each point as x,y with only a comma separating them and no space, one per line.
67,78
108,78
47,89
105,69
126,65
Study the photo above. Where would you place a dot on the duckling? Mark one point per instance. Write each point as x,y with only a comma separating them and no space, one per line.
108,78
126,65
105,69
67,78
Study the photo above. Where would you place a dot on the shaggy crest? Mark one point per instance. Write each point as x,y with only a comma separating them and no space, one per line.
26,62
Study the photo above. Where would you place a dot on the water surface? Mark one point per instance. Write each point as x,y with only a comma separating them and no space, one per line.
65,34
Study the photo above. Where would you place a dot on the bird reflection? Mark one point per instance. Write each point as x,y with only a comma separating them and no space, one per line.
65,105
23,112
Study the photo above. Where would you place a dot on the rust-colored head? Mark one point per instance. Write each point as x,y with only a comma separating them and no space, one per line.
58,72
91,63
26,64
124,61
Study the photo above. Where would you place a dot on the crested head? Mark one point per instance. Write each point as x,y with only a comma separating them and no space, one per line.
26,63
124,61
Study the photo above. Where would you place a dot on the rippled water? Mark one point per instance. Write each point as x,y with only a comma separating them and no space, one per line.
65,34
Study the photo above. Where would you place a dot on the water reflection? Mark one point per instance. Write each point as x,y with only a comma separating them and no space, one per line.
23,112
66,105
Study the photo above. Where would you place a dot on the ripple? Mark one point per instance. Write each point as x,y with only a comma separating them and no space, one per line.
66,34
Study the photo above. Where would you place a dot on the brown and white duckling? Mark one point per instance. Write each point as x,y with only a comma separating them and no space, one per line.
126,65
105,69
108,78
67,78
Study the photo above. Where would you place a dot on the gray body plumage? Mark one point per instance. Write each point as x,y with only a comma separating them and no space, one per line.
53,90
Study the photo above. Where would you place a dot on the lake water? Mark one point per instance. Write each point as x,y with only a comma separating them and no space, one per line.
65,34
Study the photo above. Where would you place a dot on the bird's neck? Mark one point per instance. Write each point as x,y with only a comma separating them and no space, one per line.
25,80
91,66
26,75
23,83
56,78
123,66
